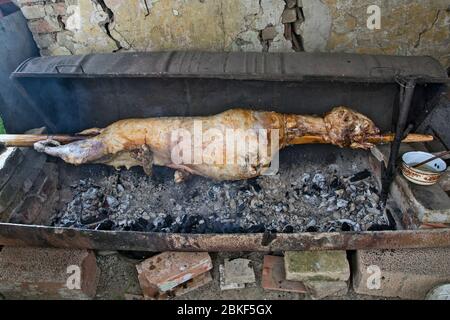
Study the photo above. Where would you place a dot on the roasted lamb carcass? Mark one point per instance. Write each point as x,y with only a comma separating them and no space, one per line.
167,140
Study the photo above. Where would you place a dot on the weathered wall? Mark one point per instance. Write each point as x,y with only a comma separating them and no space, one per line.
84,26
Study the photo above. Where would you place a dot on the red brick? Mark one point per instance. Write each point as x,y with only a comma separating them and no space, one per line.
42,273
168,270
56,9
274,276
43,26
185,288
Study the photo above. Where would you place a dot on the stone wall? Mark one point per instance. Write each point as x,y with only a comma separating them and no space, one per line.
86,26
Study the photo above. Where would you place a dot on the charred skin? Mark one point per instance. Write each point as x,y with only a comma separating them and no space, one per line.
155,141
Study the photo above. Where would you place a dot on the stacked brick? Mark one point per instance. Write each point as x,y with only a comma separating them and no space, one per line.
47,21
172,274
319,274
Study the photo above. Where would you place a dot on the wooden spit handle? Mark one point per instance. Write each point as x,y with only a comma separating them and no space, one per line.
27,140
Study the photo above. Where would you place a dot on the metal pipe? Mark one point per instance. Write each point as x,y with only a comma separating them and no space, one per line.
31,235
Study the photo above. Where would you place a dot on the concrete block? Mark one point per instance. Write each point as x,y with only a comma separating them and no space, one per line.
230,286
323,289
403,273
316,265
47,273
239,271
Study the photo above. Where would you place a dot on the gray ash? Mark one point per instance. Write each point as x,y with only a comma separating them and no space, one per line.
294,200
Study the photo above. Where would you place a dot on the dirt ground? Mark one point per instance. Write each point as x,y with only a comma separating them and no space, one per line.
118,279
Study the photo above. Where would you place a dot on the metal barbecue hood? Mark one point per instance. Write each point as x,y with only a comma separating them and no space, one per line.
72,93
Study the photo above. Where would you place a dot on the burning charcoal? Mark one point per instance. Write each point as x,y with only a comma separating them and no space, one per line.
373,211
103,211
311,223
352,207
254,183
233,205
319,180
331,208
145,216
212,195
168,220
68,224
120,188
256,203
336,215
194,194
285,202
217,227
380,227
139,225
288,229
90,194
91,219
374,197
312,229
360,176
257,228
159,223
105,225
176,228
82,182
336,183
189,223
201,228
305,177
346,227
122,222
355,226
231,228
341,203
112,202
278,207
316,188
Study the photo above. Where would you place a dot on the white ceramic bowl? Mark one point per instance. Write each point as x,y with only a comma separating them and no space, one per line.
426,174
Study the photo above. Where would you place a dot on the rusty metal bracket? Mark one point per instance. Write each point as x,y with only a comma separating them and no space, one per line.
406,86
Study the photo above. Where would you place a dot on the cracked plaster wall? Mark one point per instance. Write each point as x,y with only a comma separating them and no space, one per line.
86,26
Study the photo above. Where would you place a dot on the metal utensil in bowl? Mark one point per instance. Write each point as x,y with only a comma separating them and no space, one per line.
425,174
